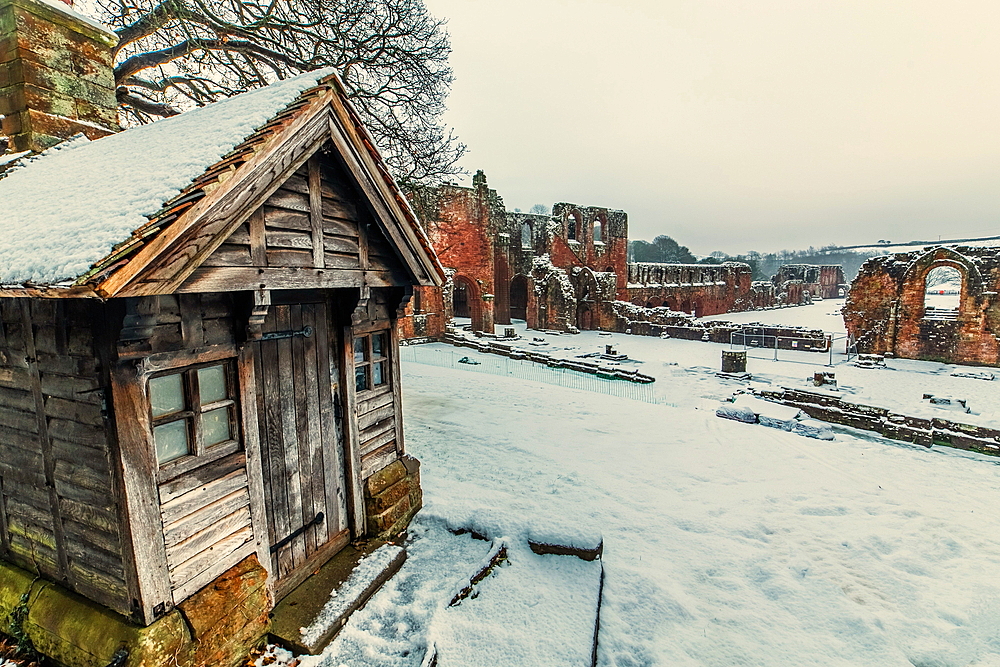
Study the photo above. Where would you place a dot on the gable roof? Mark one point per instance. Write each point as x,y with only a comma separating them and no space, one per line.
87,218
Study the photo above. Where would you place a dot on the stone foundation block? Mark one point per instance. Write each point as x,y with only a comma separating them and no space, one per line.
392,497
219,625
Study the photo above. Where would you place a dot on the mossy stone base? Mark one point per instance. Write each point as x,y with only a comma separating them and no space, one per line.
392,497
227,618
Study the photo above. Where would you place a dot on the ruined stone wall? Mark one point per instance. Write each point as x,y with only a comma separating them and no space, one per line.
825,281
698,289
886,314
561,271
464,227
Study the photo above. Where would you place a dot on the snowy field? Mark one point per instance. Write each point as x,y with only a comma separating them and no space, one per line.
725,543
685,370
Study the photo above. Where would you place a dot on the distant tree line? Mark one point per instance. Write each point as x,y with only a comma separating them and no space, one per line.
665,250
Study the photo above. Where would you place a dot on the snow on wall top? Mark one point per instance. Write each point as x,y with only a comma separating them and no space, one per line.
67,209
68,10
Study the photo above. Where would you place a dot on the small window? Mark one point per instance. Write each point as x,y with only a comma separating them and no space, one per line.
371,361
193,411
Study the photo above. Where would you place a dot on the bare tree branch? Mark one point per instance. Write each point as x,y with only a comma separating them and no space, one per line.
143,104
391,54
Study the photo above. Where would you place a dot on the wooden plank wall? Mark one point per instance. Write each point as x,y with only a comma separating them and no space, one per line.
59,511
376,429
284,232
205,512
378,410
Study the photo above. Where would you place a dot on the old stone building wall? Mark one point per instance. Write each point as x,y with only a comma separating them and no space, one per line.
827,282
464,226
565,270
55,76
887,310
560,271
698,289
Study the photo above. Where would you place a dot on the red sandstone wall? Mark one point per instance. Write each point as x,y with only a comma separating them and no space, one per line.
885,307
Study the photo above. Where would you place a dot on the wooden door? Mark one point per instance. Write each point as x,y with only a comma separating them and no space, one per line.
303,456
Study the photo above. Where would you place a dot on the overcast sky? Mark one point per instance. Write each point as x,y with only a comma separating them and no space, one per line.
736,125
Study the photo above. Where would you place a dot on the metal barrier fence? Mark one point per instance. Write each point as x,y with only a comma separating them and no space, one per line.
528,370
771,346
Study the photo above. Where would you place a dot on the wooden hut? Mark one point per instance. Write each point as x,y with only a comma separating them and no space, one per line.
219,381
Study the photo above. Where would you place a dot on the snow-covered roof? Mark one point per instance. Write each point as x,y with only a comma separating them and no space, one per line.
67,209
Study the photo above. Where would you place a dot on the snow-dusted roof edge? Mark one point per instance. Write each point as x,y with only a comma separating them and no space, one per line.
107,276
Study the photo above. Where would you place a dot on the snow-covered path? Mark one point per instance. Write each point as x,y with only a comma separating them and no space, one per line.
726,544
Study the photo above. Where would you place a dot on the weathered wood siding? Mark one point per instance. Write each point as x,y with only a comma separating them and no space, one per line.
311,221
205,508
59,509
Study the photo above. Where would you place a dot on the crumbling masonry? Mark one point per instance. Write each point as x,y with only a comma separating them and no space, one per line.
886,313
562,271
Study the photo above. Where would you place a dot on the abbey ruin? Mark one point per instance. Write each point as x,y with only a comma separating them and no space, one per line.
565,271
895,308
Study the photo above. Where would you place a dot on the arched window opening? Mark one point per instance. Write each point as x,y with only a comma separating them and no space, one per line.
942,293
598,231
525,235
573,225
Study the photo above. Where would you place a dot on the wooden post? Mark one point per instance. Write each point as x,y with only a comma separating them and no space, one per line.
352,447
138,470
258,243
254,453
316,212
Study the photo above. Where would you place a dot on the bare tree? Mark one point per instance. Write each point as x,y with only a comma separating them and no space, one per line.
391,54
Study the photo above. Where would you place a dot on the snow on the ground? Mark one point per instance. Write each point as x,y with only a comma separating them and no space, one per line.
70,206
685,370
824,314
725,543
528,596
392,629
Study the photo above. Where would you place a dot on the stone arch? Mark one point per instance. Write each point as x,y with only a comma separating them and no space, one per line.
467,300
588,299
915,332
600,225
655,302
520,288
914,283
937,297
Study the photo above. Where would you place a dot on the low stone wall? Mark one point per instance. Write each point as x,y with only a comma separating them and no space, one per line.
640,321
580,365
218,625
392,497
919,430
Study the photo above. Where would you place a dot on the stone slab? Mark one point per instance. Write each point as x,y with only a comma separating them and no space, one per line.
302,606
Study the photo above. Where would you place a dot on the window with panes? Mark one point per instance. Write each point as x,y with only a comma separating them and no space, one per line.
193,411
371,360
